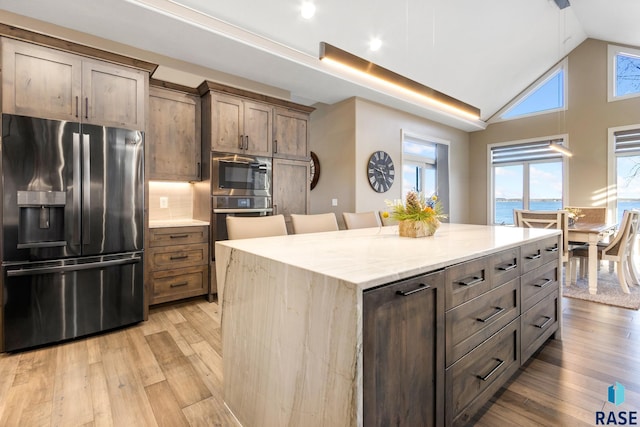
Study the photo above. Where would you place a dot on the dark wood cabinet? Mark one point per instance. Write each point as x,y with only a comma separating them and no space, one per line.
43,82
178,263
290,134
173,151
290,188
403,353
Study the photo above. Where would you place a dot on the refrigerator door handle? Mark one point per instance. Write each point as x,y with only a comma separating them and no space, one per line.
77,223
86,189
72,267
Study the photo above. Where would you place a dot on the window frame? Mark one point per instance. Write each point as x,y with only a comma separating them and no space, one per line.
563,66
525,176
612,170
443,194
612,53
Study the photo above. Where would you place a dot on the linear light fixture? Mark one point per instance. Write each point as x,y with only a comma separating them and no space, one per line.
334,55
557,146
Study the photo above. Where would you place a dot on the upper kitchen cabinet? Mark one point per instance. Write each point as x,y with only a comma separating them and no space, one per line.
48,83
239,121
290,134
173,152
239,125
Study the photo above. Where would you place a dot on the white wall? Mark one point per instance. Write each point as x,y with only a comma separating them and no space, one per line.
353,130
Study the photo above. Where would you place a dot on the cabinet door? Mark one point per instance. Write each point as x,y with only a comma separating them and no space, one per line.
290,188
40,82
173,136
113,95
290,134
403,351
226,124
258,125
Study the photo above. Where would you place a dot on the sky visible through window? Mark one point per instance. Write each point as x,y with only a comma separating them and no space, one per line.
549,96
627,74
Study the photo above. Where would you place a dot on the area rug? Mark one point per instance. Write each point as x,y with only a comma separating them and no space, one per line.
609,291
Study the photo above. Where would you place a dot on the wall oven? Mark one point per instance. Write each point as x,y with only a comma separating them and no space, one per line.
240,186
240,175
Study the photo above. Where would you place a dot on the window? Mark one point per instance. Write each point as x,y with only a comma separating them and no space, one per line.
547,95
624,73
425,167
626,150
525,175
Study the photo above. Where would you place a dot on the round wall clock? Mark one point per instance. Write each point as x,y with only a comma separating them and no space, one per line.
314,170
380,171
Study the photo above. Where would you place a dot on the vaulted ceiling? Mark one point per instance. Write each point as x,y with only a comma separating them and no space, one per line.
481,52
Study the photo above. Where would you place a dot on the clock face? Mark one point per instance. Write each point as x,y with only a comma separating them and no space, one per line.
380,171
314,170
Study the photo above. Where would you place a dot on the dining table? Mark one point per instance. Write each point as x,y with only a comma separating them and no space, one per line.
591,234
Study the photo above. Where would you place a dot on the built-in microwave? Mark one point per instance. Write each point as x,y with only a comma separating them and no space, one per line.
240,175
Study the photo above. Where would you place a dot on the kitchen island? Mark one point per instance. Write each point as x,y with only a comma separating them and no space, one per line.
306,340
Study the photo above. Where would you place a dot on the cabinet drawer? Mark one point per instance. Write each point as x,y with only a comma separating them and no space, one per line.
537,253
538,324
470,279
473,379
466,281
177,236
470,324
169,285
178,256
538,283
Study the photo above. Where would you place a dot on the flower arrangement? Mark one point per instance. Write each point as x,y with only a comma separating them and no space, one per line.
418,216
574,214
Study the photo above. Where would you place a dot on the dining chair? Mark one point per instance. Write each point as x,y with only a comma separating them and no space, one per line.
314,223
247,227
546,219
620,250
361,219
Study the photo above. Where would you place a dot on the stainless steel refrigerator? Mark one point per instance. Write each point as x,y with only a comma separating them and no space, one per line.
72,230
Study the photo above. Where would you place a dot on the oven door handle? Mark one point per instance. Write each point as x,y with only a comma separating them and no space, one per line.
224,211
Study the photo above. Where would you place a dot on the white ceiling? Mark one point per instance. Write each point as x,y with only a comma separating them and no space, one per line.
481,52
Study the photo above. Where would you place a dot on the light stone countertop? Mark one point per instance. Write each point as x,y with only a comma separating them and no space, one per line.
373,256
184,222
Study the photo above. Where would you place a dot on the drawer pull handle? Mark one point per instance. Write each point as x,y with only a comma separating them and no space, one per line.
542,285
179,257
508,267
491,316
553,249
178,236
546,322
493,371
535,256
422,287
474,280
177,285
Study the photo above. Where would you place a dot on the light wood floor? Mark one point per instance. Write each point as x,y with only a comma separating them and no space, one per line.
168,372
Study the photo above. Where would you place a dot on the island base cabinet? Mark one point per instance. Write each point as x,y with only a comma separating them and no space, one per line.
477,376
403,353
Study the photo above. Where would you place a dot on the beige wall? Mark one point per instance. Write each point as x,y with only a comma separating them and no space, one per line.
586,122
350,131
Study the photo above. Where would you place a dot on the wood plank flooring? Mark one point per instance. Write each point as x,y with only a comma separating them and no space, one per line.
168,372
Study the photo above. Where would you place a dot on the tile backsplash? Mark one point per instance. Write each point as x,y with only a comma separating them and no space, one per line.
177,196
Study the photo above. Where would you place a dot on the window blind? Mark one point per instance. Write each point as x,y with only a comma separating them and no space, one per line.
627,141
528,152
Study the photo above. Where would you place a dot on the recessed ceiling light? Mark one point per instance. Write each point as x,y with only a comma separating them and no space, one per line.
307,10
375,44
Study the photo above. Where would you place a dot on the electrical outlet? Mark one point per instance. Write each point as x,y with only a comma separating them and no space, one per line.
334,202
164,202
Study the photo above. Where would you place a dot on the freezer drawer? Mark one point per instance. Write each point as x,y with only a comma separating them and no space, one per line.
58,300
